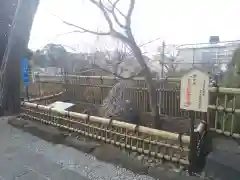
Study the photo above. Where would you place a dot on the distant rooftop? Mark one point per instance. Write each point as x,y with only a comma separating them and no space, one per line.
222,44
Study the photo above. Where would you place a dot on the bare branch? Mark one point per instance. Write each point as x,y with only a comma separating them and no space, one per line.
117,75
115,16
127,26
120,12
114,13
110,72
122,37
104,11
70,32
126,39
114,61
149,42
81,28
129,14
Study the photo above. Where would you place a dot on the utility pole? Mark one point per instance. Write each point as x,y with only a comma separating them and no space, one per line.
193,62
16,49
163,58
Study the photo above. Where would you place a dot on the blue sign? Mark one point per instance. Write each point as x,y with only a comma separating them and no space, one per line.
24,71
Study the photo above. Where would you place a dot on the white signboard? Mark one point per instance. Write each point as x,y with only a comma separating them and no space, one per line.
194,91
59,105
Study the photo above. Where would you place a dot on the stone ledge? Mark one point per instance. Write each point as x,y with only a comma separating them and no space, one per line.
113,155
42,131
86,147
15,122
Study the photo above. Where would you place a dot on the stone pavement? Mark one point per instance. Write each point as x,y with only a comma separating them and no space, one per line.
223,163
21,158
26,157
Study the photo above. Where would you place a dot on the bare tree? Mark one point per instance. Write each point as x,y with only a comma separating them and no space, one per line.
114,61
167,58
111,14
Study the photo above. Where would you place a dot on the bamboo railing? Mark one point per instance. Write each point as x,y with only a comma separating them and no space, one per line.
144,140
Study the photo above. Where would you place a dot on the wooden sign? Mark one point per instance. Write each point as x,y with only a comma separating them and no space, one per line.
194,91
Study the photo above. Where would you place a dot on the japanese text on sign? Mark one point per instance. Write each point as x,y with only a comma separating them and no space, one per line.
194,91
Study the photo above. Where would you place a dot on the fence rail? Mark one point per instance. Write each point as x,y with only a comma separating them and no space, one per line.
47,99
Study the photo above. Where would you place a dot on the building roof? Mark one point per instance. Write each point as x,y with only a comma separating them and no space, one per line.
222,44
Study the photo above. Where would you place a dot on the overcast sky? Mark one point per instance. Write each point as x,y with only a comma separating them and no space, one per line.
175,21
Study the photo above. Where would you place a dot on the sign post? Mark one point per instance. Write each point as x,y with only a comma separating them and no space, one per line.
25,75
194,97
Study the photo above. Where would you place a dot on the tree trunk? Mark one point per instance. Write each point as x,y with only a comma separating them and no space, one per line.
15,51
150,83
7,11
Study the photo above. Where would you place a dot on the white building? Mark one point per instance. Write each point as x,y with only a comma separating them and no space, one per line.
206,53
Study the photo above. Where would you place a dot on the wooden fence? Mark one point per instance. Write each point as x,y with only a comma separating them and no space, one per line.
222,116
